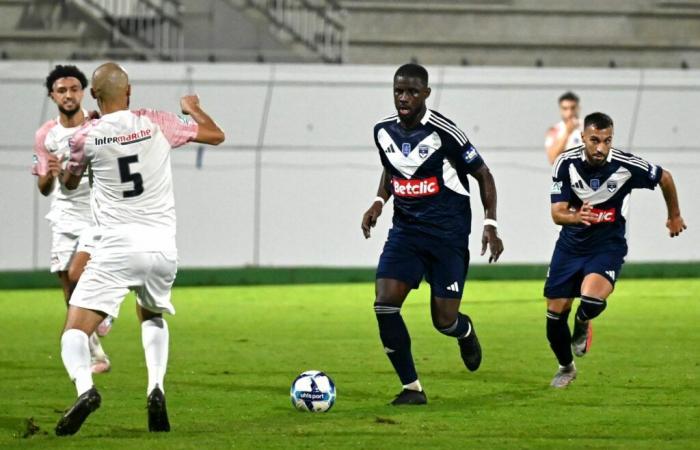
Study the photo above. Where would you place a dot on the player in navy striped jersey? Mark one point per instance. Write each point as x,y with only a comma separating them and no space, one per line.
426,160
591,186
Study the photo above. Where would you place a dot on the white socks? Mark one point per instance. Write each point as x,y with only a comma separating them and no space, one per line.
155,338
415,386
75,353
96,351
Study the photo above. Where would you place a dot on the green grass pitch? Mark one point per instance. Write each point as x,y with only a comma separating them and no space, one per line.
235,351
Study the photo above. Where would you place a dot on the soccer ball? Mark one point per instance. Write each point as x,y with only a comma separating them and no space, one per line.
313,391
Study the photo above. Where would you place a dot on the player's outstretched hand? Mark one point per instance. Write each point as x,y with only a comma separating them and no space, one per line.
369,219
675,226
54,165
584,215
495,244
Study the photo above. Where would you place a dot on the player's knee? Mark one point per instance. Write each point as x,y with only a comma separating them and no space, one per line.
590,308
388,298
444,319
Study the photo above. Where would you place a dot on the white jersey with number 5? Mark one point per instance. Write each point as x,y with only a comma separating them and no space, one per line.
129,153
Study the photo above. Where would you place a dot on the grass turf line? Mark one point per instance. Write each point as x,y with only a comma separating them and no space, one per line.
235,350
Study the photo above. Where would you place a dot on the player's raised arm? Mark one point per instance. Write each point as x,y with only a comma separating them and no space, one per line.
208,131
674,223
369,219
77,162
47,181
487,189
46,166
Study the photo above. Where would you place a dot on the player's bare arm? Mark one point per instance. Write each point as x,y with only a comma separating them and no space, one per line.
487,190
562,214
209,132
369,219
674,223
46,182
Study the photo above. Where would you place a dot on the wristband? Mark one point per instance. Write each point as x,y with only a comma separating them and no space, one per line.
380,199
491,222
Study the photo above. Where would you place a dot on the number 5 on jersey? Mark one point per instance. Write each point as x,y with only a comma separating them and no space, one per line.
127,176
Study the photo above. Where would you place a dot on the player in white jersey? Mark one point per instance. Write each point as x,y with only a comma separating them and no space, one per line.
567,132
133,207
69,215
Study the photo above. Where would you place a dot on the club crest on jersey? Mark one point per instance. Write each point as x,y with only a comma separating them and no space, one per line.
423,150
595,184
612,185
405,148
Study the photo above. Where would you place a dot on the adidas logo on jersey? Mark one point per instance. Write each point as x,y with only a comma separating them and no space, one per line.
454,287
611,274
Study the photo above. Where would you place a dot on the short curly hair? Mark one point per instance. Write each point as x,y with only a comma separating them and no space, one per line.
62,72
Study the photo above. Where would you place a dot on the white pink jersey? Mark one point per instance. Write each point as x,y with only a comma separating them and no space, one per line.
70,210
559,129
129,153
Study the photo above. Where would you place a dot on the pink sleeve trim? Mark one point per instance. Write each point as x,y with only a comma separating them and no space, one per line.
77,162
175,130
40,165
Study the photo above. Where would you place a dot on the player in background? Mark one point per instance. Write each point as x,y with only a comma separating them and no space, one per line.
426,160
591,186
129,154
69,214
567,132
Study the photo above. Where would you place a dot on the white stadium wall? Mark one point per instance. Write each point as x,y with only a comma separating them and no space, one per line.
299,167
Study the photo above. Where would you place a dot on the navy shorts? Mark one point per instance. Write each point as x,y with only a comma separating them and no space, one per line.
567,271
408,256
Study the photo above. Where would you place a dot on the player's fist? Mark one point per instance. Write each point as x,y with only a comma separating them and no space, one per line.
571,125
53,165
189,103
675,226
369,219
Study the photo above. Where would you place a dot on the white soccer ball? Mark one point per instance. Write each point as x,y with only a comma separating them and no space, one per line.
313,391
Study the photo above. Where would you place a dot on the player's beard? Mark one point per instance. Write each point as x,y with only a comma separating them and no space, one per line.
69,112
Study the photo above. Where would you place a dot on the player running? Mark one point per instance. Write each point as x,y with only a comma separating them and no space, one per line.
591,186
69,215
133,204
426,160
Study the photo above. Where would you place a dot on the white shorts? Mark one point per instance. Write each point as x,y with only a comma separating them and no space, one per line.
65,245
108,277
87,240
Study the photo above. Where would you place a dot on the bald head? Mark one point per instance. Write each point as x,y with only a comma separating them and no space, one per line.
110,83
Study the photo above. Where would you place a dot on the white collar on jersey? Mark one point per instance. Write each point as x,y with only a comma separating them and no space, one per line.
583,154
425,118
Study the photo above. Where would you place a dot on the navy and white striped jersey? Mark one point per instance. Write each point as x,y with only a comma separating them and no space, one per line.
429,166
608,189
